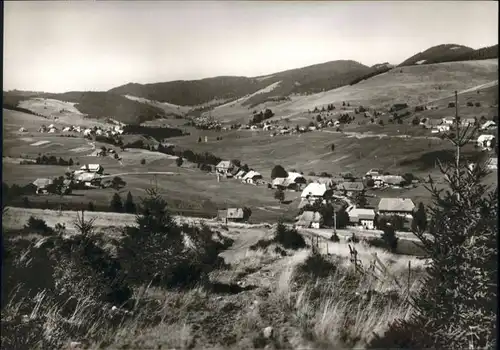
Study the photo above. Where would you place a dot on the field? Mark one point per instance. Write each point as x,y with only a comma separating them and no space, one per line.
193,191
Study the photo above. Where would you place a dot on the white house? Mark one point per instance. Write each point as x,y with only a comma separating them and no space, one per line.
486,141
490,124
87,132
443,128
361,217
313,192
92,168
448,120
22,129
251,177
66,129
52,130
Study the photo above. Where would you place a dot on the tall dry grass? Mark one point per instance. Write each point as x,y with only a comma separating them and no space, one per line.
347,307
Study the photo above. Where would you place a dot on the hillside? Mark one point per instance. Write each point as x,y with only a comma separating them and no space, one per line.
437,54
97,105
191,93
414,85
310,79
451,53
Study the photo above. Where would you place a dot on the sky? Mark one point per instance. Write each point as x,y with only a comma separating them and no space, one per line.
97,45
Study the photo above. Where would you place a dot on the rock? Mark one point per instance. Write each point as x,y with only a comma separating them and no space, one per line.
75,345
267,332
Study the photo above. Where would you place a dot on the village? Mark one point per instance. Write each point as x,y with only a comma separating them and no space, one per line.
323,189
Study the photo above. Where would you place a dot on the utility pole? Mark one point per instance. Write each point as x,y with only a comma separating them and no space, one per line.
457,133
334,222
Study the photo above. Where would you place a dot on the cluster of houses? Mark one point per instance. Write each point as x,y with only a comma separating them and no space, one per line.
96,130
88,175
363,217
486,140
228,169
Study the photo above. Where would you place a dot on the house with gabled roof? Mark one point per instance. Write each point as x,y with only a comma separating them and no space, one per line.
225,167
396,206
315,190
240,174
232,214
490,124
361,217
310,219
42,184
349,188
252,177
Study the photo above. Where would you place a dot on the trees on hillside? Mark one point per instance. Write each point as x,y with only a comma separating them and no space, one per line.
278,171
179,161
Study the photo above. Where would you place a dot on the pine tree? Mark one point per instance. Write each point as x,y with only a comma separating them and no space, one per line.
129,204
151,251
457,307
419,222
116,203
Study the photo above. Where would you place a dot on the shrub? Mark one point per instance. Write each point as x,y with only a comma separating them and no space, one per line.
154,251
335,237
390,238
288,238
143,161
90,206
470,104
38,226
477,104
279,195
313,268
451,105
129,204
117,183
116,204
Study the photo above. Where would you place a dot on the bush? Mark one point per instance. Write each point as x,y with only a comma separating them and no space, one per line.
470,104
129,204
179,161
143,161
477,104
36,225
389,237
279,195
116,204
289,238
314,267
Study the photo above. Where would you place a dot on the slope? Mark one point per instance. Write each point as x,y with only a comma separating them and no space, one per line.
310,79
437,54
100,104
451,53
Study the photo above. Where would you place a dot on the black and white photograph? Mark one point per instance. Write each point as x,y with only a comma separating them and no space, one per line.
279,175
